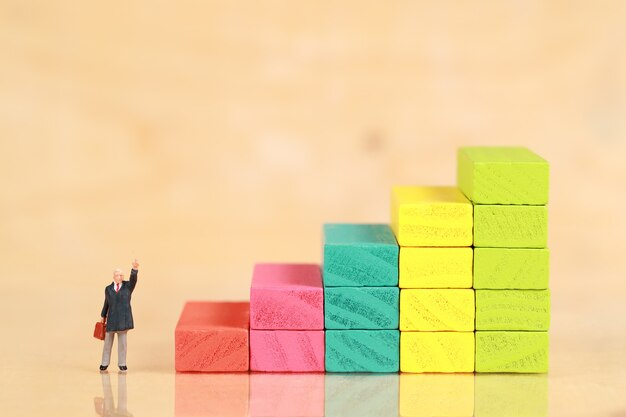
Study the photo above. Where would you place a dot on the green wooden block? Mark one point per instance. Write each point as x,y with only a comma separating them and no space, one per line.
513,310
510,226
506,268
515,352
362,350
511,395
360,255
361,307
502,175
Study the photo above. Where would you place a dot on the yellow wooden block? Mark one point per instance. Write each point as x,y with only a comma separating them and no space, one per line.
431,216
436,352
435,267
426,395
437,310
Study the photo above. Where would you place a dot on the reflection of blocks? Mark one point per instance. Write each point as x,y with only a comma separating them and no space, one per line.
504,268
511,395
211,395
212,337
287,296
512,352
361,307
510,226
437,395
287,350
358,255
436,352
431,216
512,309
286,395
361,395
435,267
502,175
438,309
362,350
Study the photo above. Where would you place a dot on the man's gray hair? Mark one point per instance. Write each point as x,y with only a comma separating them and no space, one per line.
116,270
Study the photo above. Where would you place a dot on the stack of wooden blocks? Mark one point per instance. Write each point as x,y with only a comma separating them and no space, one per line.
361,298
509,190
457,283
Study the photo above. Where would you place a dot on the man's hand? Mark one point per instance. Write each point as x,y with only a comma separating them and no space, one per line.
135,264
102,319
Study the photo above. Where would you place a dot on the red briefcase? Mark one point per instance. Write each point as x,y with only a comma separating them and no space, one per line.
99,330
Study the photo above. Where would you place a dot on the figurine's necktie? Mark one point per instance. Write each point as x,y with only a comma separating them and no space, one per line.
117,287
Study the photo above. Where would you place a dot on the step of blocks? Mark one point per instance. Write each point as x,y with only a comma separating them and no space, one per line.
444,352
431,216
361,307
374,395
513,310
427,395
502,175
212,337
437,310
524,352
286,395
287,350
435,267
511,395
510,226
362,350
506,268
287,297
357,255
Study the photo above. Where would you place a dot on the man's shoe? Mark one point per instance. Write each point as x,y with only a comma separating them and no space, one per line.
123,368
103,368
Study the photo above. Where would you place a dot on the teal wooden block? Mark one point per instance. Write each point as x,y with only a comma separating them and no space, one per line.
510,226
513,310
507,268
516,352
362,395
360,255
361,307
502,175
362,350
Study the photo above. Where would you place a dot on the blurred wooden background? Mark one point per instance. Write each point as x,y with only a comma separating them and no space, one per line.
202,137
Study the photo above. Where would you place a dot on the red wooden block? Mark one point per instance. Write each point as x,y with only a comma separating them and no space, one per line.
213,337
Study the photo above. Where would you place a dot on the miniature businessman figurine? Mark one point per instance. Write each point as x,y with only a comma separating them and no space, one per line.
118,316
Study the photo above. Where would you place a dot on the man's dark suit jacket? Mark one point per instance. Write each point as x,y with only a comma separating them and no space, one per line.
117,305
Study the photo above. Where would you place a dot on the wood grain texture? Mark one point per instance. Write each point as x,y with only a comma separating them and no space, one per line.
287,296
437,309
287,350
525,352
362,350
431,216
435,267
372,395
507,268
513,310
286,395
510,226
443,352
358,255
502,175
511,395
426,395
361,307
212,337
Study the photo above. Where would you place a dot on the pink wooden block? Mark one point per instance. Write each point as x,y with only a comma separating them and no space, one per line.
287,297
212,337
287,350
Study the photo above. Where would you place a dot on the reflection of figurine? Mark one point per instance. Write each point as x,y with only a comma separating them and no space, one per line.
105,407
118,315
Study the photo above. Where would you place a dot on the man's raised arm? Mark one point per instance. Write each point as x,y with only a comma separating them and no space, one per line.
133,275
